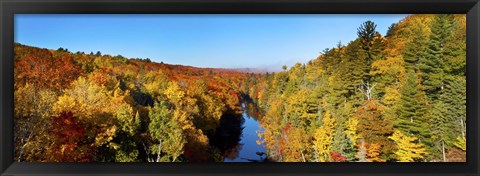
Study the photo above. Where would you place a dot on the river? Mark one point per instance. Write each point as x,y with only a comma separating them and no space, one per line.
237,136
248,152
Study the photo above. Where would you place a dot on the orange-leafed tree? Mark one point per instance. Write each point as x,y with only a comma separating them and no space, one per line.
374,127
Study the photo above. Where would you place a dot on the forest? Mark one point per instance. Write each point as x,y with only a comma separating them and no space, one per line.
394,98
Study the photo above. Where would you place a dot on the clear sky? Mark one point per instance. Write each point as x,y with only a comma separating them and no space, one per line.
227,41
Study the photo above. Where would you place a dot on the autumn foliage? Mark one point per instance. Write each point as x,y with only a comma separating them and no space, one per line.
77,107
394,98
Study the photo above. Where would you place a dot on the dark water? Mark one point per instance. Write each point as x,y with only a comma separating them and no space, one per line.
236,137
249,149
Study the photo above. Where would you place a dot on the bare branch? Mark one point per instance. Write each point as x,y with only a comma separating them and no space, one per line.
367,89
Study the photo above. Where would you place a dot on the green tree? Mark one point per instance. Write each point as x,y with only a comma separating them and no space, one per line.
166,131
432,64
371,42
415,49
448,116
411,109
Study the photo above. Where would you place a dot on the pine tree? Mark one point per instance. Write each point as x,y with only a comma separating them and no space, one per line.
366,32
415,49
372,44
455,48
412,109
448,116
432,64
441,130
391,30
350,74
454,96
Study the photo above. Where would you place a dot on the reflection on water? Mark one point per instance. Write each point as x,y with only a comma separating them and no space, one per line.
236,137
228,136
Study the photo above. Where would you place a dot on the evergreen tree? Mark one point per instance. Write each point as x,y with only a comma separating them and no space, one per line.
366,32
391,30
415,49
371,42
455,98
432,64
351,73
448,116
411,109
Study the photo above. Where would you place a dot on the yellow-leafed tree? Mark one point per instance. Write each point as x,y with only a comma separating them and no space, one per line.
408,149
324,138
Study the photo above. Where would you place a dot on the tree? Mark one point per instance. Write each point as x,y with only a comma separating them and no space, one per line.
432,64
345,132
454,96
175,142
387,73
271,135
349,74
461,143
370,42
455,47
448,115
440,128
165,130
301,107
324,138
408,148
129,122
416,49
391,30
32,116
373,127
411,109
46,70
366,32
294,144
69,136
374,152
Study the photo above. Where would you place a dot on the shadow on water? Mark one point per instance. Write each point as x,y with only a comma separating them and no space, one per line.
236,137
228,135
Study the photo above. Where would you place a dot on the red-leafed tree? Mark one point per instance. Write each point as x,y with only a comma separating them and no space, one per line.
337,157
69,141
40,68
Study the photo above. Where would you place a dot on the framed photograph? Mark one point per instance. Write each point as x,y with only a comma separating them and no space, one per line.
230,87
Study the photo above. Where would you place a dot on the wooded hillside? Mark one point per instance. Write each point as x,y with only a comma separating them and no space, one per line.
394,98
399,97
94,107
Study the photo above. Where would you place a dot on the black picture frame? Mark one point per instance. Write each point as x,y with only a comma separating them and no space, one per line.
8,8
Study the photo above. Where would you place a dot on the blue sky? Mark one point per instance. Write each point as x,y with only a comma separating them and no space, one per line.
226,41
